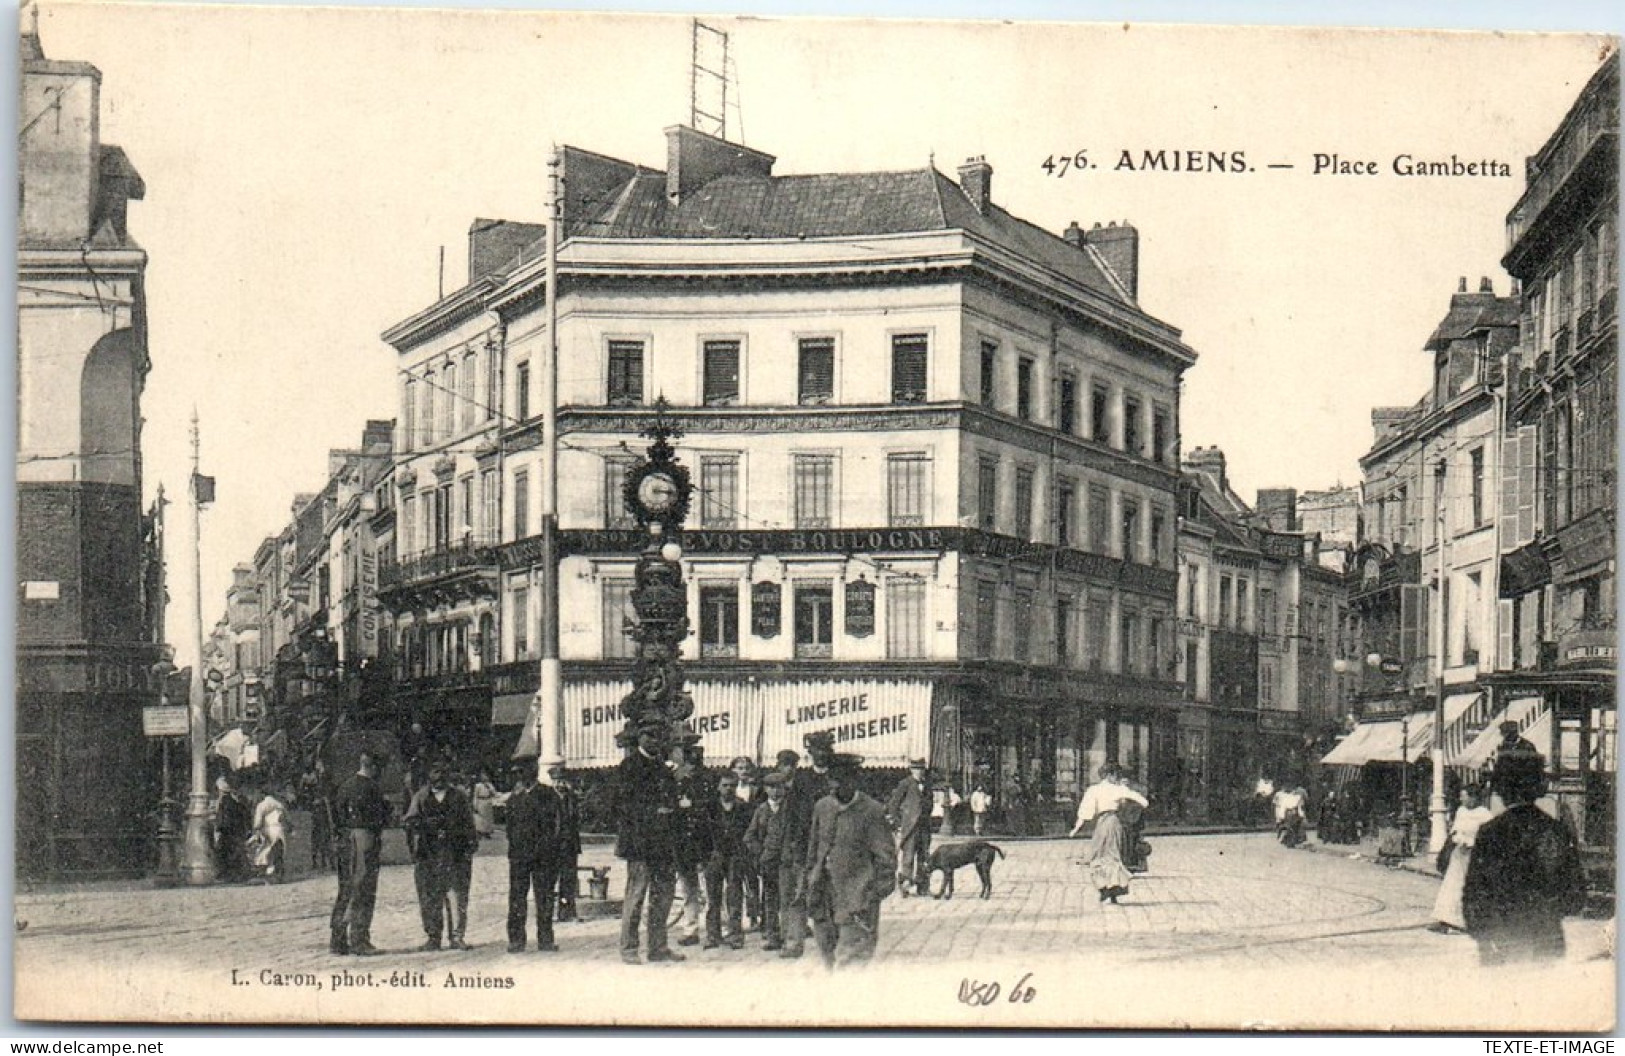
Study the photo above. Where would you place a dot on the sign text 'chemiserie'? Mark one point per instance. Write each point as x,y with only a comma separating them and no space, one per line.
853,721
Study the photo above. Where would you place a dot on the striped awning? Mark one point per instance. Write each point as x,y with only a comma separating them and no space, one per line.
1384,741
1481,749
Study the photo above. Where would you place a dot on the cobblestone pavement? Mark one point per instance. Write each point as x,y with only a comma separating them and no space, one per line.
1209,904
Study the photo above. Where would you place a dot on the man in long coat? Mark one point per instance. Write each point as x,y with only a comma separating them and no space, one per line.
645,811
558,776
440,829
537,847
850,863
908,809
1525,875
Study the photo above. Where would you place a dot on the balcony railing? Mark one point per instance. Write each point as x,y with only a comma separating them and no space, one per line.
436,563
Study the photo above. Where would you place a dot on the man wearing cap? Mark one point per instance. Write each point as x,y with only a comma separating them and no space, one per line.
769,844
908,808
645,809
850,862
440,831
558,775
536,850
360,812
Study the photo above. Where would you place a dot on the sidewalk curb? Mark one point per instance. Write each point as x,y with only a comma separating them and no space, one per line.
1421,865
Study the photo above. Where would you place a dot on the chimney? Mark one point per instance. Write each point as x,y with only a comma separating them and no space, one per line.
1210,463
379,432
1485,285
694,159
1074,234
1119,246
976,180
1279,508
1387,422
1461,287
495,244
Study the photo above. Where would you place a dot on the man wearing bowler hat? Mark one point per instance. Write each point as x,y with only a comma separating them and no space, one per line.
645,812
908,808
850,862
440,830
558,775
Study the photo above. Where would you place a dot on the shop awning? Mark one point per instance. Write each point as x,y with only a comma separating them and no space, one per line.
511,709
1481,749
1384,741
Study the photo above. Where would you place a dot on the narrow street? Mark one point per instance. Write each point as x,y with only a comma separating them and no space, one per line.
1218,918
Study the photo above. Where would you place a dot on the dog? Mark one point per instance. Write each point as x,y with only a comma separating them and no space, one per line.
952,856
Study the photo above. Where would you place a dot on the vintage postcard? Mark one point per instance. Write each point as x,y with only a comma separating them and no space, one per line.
536,518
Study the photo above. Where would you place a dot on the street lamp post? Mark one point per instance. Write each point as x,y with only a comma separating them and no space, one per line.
198,868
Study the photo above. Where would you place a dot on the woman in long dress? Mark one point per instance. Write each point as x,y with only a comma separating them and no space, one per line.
271,838
485,806
1100,805
1447,912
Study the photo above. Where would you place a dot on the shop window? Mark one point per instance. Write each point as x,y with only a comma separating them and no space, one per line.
719,620
814,618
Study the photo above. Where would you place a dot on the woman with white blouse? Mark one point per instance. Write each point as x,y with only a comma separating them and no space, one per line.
1101,802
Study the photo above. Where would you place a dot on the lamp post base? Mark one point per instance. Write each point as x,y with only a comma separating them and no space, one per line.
197,869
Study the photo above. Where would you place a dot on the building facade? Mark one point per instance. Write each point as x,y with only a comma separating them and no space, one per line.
87,633
935,451
1559,544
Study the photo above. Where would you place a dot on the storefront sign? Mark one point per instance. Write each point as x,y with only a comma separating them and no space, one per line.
1588,649
166,720
765,608
860,608
887,723
367,594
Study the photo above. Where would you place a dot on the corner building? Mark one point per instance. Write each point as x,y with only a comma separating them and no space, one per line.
90,592
934,450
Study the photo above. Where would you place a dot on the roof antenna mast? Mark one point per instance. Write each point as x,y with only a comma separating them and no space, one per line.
711,70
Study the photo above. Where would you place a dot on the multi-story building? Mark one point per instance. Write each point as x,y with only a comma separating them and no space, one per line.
1424,584
85,626
1262,623
935,450
1557,530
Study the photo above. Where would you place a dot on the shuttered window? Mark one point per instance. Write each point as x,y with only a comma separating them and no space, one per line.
616,515
719,491
617,603
908,360
906,489
905,619
625,373
1066,399
814,490
521,504
469,375
721,373
987,493
815,370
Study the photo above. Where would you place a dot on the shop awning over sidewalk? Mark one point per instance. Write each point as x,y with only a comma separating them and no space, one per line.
1384,741
1538,732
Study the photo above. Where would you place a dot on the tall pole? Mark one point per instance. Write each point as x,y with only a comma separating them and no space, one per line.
199,854
550,710
1438,811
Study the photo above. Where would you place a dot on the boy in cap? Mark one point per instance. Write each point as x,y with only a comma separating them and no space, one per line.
850,862
728,867
768,842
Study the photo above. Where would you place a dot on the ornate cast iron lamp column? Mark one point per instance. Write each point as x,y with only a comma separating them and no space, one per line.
657,493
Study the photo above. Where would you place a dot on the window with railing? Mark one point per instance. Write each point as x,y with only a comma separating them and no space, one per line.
521,503
814,620
519,620
719,620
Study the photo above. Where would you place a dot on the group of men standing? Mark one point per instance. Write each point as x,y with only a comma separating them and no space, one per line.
820,850
544,845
